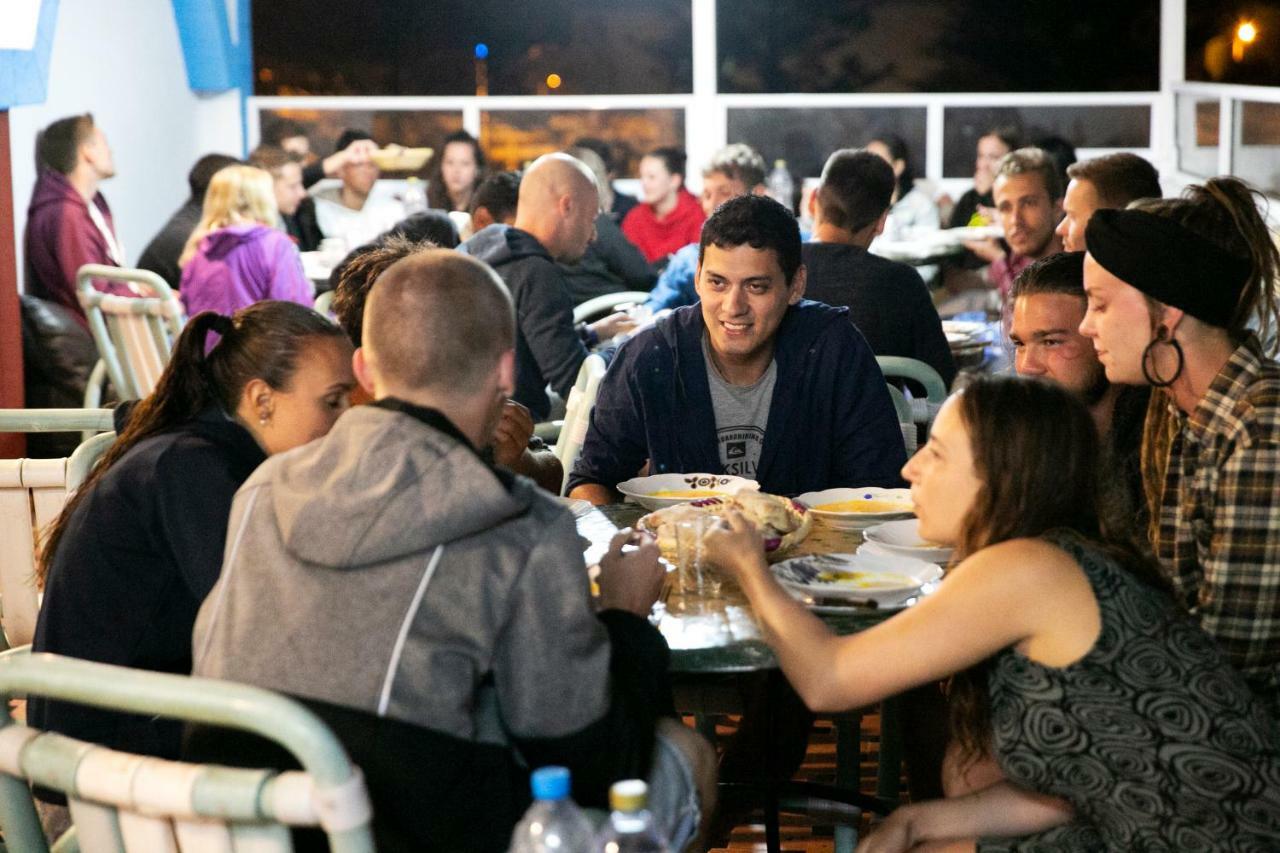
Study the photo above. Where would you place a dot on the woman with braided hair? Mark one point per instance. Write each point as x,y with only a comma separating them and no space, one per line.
1180,293
128,562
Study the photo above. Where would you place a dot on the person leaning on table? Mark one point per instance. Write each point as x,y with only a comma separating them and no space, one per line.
754,380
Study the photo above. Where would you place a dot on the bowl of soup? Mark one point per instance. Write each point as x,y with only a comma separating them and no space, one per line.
855,509
903,538
663,490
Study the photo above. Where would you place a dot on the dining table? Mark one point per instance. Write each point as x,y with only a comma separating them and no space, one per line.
714,640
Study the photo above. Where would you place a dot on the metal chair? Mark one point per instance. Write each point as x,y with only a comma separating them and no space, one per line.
121,802
32,494
577,414
606,304
134,334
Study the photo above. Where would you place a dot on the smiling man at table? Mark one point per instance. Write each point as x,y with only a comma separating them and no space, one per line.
753,380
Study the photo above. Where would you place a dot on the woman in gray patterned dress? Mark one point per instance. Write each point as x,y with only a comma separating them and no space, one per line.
1115,719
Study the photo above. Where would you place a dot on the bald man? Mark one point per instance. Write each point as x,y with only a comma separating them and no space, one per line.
439,616
555,220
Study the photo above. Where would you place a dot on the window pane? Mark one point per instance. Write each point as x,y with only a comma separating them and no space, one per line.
1083,127
937,45
408,47
806,137
410,128
1256,157
512,138
1197,127
1234,43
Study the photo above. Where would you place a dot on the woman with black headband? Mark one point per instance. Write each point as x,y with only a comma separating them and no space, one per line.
134,552
1176,289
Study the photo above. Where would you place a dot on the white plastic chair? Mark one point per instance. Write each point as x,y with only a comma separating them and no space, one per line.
125,803
905,421
324,304
606,304
923,411
32,494
134,335
577,414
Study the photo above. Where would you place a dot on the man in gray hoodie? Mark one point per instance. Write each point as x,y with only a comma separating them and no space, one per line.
434,610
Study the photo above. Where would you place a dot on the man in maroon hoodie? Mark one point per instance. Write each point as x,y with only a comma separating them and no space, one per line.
68,221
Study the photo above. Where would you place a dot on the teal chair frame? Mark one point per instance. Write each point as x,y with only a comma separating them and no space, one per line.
256,805
161,314
922,412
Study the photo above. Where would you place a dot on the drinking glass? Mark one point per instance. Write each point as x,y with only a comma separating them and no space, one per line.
694,575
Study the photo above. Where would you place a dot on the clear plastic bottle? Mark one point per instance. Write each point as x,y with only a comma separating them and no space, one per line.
414,198
630,827
553,822
781,188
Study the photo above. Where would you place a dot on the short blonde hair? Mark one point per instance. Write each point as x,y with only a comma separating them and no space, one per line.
237,195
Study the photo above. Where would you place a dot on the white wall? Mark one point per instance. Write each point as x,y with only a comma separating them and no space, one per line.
122,61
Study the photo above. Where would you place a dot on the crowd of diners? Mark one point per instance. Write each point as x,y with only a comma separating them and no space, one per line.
358,514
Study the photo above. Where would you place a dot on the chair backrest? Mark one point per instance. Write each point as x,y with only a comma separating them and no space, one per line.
905,422
602,306
324,304
577,414
32,494
121,802
922,411
134,335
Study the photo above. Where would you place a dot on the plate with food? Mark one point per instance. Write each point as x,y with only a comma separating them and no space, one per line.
903,538
854,509
663,490
397,158
781,521
887,581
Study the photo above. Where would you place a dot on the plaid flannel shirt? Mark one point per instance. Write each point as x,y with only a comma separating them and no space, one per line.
1219,522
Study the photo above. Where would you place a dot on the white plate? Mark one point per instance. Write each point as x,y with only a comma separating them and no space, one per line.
903,538
641,489
890,580
856,520
578,507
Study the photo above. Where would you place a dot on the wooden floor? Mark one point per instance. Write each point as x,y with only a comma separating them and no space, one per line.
799,833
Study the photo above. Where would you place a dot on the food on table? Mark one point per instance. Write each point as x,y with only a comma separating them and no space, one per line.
781,521
865,506
686,493
860,580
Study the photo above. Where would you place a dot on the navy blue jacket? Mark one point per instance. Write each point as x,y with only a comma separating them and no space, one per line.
831,422
548,349
139,554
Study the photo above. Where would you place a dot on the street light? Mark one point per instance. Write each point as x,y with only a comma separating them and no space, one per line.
1245,35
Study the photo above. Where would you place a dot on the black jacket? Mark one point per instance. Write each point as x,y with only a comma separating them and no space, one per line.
548,350
137,558
57,357
887,301
162,253
612,264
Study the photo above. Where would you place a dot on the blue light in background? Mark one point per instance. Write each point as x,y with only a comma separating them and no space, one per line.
482,51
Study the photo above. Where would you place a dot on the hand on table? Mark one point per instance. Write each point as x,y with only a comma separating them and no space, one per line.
511,435
613,325
734,546
989,250
630,581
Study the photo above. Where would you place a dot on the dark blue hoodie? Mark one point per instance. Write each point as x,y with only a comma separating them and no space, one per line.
831,421
548,350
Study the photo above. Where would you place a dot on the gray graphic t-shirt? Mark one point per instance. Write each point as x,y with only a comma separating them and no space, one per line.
742,412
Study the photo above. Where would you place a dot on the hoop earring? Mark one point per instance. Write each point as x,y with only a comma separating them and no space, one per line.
1162,337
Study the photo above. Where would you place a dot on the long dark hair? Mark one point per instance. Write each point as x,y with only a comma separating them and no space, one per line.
1036,450
262,341
898,150
437,192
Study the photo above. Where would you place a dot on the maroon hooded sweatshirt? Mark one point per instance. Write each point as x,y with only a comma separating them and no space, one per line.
61,238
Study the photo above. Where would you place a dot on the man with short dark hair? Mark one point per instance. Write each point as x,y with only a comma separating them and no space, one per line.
753,381
555,220
1103,183
440,618
1049,302
887,301
734,170
161,254
360,208
495,200
68,221
1028,195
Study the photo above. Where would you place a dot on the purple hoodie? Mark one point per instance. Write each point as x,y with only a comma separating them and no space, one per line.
61,238
239,265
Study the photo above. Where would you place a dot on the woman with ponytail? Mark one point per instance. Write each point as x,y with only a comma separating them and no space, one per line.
1179,293
128,562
